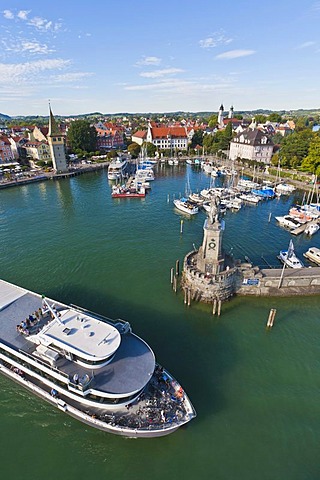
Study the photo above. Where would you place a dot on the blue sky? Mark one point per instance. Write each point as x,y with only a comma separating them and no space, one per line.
126,56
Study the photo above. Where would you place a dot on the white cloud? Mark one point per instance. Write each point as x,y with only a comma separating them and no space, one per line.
8,14
183,87
217,38
235,54
43,24
35,47
305,45
23,14
161,73
72,77
149,61
21,72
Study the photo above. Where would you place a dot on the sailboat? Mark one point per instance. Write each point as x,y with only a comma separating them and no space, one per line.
289,258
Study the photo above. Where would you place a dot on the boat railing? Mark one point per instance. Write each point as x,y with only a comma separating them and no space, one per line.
122,325
44,364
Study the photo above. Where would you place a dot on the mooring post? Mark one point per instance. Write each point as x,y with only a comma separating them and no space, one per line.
185,295
168,198
177,267
272,315
214,306
219,308
189,297
181,226
171,275
270,215
175,284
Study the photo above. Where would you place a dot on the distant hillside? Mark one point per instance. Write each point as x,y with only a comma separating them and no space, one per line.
4,117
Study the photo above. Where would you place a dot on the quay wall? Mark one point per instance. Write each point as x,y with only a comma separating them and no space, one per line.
246,280
267,282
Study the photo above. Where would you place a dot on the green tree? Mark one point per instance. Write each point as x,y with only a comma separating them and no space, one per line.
260,118
134,149
274,117
312,161
213,120
83,136
197,139
151,149
294,148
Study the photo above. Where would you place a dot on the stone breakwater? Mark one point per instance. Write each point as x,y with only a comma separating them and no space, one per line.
245,279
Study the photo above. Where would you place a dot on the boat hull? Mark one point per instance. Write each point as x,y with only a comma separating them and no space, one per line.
83,417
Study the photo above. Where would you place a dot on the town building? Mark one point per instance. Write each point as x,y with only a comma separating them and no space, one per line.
251,144
168,138
6,154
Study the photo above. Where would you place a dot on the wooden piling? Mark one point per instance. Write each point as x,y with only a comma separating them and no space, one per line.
214,306
177,267
219,307
171,275
181,226
189,297
272,315
185,295
175,284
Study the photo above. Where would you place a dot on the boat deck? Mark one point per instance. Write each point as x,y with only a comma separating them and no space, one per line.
129,371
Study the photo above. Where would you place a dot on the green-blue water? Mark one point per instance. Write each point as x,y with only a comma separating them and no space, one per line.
256,392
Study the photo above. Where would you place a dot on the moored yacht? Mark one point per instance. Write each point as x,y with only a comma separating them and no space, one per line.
289,258
117,169
184,205
313,254
90,367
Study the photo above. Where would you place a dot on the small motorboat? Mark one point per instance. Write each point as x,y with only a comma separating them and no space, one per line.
289,258
184,205
311,229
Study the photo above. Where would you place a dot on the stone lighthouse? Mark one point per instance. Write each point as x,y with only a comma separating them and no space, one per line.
210,258
209,275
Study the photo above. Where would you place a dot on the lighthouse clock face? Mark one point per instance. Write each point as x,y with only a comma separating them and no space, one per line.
212,244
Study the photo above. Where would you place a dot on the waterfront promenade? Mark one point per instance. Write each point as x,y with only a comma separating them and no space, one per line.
44,176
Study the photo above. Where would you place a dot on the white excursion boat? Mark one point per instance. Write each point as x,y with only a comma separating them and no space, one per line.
184,205
312,228
313,254
117,169
90,367
289,258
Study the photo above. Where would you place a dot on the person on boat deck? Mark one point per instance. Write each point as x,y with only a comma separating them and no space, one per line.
54,393
76,378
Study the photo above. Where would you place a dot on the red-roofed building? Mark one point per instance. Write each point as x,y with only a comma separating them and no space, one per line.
6,154
108,138
139,137
175,137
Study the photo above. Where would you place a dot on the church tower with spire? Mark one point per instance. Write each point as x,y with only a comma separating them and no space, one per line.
230,115
56,145
220,116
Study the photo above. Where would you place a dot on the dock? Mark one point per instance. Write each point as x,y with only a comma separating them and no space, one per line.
302,228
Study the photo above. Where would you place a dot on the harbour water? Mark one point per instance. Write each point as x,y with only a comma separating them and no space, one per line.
256,392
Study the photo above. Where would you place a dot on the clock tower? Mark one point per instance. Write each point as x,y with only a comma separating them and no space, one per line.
57,145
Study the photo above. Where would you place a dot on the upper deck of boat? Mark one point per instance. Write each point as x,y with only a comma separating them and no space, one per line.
131,366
